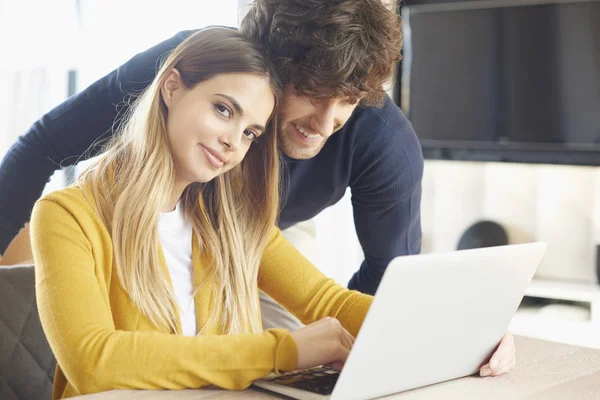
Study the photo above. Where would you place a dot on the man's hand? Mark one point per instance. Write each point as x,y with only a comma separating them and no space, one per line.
503,359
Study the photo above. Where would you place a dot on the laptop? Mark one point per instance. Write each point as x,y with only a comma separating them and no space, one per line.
434,318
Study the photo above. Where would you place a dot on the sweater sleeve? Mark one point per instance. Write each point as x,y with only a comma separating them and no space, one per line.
76,317
67,133
386,193
289,278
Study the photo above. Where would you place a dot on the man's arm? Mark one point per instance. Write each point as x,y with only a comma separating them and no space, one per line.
65,135
386,194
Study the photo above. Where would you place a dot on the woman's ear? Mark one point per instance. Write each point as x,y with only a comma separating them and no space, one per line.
170,86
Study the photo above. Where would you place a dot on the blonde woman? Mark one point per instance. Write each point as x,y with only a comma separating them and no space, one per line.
148,270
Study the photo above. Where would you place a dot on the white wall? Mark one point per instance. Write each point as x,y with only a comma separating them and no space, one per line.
141,25
338,252
556,204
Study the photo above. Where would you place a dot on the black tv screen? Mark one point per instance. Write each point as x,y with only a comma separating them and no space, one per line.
504,80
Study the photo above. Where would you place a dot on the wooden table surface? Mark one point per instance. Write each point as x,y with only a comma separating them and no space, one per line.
544,371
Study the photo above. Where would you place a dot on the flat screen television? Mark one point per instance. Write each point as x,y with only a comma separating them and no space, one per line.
503,80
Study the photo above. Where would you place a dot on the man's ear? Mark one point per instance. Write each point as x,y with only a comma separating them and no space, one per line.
170,86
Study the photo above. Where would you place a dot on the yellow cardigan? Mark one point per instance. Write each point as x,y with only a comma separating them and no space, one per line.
101,341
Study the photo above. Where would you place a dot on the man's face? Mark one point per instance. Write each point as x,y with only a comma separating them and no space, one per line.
306,123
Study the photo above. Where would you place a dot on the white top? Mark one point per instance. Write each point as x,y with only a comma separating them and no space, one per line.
176,238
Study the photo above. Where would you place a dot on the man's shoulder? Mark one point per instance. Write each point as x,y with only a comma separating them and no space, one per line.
387,109
385,133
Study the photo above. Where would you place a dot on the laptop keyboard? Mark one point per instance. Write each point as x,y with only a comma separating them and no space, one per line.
320,380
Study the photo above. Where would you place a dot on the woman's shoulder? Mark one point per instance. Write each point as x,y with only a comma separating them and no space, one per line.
72,196
70,207
73,199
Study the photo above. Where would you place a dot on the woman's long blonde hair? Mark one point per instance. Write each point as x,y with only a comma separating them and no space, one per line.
231,216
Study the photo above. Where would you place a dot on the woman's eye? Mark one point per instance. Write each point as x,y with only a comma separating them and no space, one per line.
223,110
250,135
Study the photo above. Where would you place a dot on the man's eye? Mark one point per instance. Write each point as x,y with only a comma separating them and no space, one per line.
223,110
250,134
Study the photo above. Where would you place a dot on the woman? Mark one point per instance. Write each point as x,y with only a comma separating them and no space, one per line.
147,269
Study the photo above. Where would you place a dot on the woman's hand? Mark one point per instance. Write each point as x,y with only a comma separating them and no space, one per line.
323,342
503,359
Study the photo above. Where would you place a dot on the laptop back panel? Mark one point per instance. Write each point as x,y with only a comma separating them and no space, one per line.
436,317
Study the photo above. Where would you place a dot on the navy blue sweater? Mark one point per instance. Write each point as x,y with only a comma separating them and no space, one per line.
376,154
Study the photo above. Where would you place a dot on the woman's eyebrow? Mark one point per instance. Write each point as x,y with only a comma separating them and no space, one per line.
239,109
233,101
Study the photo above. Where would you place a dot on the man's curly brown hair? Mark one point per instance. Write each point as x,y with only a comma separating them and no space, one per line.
329,48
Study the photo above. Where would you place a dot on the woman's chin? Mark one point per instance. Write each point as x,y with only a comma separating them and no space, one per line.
205,177
200,175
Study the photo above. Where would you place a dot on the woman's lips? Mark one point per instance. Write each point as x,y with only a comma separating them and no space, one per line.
214,158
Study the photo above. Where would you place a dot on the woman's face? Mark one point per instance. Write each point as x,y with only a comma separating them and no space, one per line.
211,126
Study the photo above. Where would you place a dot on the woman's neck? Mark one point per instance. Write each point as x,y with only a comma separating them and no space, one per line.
175,197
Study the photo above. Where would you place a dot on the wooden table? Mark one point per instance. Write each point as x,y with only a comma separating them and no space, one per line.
544,371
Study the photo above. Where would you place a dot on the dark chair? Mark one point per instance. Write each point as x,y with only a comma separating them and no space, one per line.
27,364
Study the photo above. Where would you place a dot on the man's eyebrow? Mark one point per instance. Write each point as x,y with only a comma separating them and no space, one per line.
239,110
